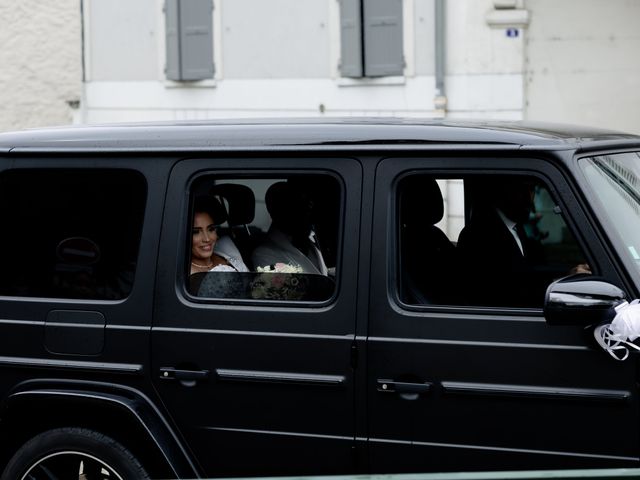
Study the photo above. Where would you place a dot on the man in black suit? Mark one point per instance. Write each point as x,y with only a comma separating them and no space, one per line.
497,258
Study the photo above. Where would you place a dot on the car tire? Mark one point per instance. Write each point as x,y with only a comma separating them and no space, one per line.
73,453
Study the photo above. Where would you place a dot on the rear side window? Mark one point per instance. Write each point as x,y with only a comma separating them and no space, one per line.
70,233
264,238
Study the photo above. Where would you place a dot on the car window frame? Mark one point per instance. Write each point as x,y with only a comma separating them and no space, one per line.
482,163
171,302
123,312
599,218
261,173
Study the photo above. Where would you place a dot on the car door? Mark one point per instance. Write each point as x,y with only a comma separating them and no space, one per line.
260,385
460,387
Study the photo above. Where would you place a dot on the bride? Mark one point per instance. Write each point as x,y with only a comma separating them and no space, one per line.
208,251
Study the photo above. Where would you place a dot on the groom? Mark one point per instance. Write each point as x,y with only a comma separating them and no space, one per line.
496,255
291,238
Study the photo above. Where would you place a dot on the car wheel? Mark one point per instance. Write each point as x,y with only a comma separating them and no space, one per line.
73,453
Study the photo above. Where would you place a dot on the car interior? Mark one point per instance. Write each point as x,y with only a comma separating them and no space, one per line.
431,269
247,224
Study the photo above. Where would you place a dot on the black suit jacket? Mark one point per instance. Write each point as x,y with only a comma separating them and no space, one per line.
495,271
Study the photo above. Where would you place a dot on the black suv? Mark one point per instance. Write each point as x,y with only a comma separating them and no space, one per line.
316,315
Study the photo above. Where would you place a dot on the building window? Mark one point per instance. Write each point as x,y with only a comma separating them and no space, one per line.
371,38
189,39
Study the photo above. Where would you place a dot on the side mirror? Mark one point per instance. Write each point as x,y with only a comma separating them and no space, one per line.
581,299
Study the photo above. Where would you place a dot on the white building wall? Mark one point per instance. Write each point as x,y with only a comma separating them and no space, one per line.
40,62
421,42
121,40
278,39
583,63
276,58
485,67
575,61
280,58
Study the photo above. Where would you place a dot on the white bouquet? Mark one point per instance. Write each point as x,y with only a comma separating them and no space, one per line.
279,282
280,268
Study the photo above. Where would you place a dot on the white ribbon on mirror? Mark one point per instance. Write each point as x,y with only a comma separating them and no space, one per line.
618,336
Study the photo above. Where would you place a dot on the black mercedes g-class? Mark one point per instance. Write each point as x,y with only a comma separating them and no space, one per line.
315,297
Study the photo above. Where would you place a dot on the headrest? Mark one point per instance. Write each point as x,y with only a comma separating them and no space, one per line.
281,200
289,203
240,200
421,201
210,205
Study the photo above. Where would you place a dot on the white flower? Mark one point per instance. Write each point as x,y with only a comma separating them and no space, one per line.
280,268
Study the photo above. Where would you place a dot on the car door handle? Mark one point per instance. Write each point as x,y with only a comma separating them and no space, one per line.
170,373
391,386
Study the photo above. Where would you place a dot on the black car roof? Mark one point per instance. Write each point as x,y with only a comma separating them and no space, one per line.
311,134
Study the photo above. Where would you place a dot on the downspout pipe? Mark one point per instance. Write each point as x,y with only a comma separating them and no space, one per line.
81,116
440,100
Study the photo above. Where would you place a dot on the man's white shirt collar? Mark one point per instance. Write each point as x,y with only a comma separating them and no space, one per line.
511,226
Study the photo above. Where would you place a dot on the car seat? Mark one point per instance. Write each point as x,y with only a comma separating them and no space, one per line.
427,257
239,201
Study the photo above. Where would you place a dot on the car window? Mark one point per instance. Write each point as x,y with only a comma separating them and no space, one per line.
488,241
616,182
70,233
263,238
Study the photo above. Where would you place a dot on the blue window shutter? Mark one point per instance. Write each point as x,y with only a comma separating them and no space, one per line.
172,40
351,38
196,39
383,53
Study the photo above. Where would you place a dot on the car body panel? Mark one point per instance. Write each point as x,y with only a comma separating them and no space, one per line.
299,389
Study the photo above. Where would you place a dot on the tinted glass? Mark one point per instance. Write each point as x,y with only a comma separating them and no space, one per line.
489,241
70,233
264,238
616,182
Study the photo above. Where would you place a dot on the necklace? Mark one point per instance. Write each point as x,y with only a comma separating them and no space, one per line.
208,267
